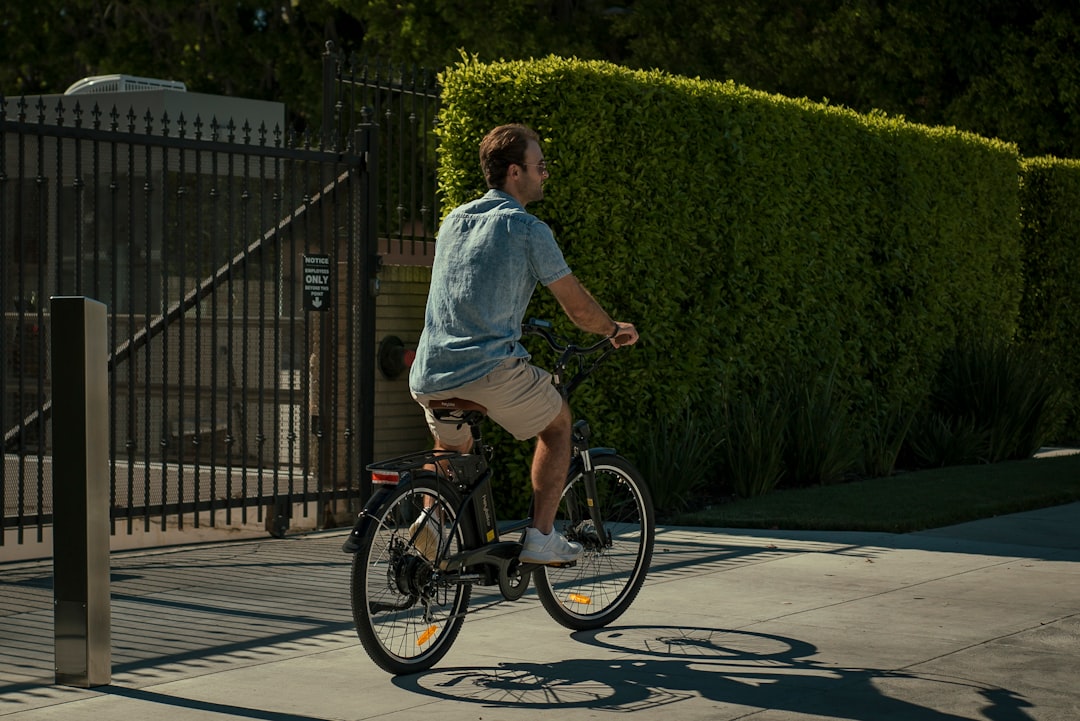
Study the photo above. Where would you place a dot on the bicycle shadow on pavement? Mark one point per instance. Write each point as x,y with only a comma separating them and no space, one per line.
732,670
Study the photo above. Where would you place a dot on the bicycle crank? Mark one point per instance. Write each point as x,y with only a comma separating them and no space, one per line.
513,581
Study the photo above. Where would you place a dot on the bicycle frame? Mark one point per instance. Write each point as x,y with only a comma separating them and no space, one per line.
484,559
429,534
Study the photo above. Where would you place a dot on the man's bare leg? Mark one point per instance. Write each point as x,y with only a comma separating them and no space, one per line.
550,464
428,541
463,448
440,446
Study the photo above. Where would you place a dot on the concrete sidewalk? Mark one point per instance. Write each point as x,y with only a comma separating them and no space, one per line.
978,621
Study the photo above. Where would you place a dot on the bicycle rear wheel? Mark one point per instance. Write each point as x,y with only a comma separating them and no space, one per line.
606,580
407,616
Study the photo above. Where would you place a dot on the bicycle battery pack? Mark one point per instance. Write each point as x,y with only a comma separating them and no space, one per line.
474,479
484,510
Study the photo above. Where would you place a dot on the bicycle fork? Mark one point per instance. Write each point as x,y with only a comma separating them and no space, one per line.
584,455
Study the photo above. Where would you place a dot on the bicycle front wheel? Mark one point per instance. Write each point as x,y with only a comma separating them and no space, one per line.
609,575
407,615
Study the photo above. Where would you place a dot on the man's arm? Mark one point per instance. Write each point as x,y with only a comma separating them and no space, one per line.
586,313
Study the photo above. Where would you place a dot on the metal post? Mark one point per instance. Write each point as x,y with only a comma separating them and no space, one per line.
367,144
329,96
80,391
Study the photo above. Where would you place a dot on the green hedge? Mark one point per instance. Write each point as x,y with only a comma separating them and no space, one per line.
1050,232
747,233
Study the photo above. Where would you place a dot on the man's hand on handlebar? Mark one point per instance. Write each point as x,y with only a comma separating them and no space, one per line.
622,334
626,334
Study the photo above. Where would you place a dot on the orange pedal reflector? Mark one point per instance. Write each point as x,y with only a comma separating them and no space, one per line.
578,598
426,635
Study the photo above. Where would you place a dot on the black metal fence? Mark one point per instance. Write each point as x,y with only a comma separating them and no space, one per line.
403,102
227,396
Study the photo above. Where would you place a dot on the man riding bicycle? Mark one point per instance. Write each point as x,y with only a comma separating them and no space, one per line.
490,255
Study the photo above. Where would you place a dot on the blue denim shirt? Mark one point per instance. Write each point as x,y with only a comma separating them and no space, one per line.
489,257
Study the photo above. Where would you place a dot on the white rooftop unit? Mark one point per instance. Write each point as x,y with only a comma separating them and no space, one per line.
136,102
140,96
121,84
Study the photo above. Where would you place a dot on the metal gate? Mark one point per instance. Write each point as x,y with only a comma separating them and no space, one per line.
238,391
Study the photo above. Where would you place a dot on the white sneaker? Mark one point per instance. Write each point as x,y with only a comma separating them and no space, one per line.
550,549
427,533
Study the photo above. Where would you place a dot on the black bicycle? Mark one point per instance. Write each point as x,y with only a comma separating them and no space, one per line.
429,533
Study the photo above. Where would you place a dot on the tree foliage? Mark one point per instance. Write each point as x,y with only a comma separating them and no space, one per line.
999,68
433,32
234,47
995,67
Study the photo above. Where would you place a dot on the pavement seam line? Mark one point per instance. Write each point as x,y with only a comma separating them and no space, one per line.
885,592
995,639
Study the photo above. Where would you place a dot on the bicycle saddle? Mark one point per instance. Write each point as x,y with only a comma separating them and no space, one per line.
457,409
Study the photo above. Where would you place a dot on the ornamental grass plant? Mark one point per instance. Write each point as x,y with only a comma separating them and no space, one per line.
993,405
678,456
992,401
820,445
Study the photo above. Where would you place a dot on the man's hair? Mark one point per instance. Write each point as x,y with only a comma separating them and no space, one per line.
502,147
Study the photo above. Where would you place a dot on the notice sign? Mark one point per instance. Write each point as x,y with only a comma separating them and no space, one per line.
317,282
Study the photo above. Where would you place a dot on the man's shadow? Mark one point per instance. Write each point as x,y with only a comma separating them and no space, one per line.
732,668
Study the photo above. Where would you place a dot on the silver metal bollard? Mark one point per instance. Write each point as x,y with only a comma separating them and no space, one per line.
80,389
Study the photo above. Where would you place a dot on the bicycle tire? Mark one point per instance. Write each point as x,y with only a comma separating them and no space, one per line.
405,617
607,579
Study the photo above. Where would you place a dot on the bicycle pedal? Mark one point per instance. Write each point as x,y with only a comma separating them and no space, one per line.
530,566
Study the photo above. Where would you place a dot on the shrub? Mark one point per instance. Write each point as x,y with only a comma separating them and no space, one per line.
744,232
1050,236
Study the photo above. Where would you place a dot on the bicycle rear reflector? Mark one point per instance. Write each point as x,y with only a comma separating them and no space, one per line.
385,478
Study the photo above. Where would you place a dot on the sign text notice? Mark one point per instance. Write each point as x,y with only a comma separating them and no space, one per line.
317,282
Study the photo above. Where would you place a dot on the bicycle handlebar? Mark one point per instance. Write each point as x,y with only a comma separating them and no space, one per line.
568,351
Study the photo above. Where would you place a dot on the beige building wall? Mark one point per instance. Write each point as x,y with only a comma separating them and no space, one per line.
399,422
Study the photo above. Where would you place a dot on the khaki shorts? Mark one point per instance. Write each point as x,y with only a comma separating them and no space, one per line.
518,396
